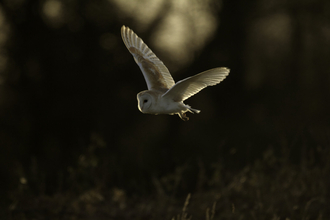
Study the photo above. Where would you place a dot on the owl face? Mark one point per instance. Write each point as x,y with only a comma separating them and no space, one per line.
145,101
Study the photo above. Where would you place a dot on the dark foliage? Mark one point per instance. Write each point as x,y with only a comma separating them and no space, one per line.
75,146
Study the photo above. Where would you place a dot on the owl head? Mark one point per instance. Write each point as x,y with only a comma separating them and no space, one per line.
145,101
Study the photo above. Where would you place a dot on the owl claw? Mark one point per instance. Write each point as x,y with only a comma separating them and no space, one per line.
183,116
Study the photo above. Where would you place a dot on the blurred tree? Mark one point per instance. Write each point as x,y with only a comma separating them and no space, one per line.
68,84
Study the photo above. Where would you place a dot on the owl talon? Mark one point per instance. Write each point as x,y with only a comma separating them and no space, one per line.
183,116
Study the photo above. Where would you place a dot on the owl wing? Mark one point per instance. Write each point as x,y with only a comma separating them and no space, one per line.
154,71
188,87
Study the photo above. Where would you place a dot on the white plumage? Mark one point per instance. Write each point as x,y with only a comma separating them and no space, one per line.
164,96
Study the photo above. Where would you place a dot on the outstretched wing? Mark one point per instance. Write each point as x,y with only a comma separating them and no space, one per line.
154,71
188,87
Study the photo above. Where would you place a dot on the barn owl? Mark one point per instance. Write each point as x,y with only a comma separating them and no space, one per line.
164,96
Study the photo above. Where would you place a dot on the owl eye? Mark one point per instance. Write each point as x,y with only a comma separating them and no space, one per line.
146,100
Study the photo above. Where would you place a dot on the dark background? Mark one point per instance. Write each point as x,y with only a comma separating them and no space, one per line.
68,110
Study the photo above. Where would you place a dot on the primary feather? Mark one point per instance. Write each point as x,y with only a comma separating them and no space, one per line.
188,87
154,71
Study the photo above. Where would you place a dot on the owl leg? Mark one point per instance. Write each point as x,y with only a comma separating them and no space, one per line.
192,110
183,116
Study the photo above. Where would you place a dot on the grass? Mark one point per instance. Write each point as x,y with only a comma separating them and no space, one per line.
272,187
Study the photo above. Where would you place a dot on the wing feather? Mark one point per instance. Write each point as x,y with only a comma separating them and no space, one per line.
188,87
154,71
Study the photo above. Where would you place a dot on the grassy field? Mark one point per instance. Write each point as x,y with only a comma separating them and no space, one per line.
272,187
